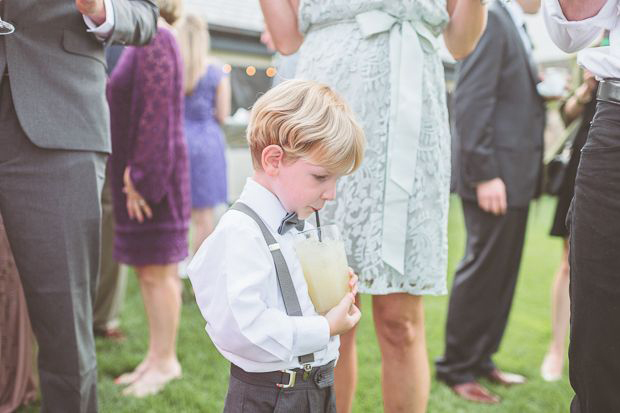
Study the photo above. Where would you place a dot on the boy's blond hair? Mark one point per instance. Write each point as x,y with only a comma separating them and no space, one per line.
307,120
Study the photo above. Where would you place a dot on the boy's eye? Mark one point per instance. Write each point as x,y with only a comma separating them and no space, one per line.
320,178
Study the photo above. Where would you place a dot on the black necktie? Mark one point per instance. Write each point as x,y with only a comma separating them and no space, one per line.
527,34
291,220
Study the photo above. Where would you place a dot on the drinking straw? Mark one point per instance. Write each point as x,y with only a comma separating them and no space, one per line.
318,224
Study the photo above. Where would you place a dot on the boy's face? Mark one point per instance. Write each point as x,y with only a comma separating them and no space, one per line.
304,187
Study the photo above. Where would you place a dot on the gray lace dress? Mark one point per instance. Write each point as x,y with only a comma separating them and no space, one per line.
381,56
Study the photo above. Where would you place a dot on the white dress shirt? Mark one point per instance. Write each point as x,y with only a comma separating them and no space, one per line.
571,36
517,15
236,287
104,30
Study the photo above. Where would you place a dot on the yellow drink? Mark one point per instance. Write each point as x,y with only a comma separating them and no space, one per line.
325,267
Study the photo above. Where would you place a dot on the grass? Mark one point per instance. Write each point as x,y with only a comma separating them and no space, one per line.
204,384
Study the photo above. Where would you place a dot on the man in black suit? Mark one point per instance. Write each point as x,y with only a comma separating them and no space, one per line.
499,120
54,140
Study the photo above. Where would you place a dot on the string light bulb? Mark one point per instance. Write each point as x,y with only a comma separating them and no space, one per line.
250,70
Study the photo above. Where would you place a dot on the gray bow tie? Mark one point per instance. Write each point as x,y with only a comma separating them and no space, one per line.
291,220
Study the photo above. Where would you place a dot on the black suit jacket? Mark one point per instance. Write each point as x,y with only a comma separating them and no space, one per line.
499,117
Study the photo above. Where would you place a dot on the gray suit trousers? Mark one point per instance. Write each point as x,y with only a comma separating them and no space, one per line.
50,202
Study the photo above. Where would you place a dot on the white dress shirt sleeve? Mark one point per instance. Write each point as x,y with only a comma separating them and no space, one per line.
104,30
233,277
571,36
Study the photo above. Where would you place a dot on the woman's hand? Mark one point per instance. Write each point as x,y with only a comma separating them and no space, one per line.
137,207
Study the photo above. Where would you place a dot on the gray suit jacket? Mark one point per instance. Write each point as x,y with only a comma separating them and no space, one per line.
57,69
499,117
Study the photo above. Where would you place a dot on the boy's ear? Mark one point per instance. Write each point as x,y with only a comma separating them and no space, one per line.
271,159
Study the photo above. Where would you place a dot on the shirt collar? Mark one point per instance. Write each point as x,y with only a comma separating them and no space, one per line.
516,12
264,202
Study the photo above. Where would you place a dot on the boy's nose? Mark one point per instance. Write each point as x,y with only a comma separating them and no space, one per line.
330,193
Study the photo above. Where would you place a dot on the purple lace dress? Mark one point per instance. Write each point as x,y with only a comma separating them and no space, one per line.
145,93
205,142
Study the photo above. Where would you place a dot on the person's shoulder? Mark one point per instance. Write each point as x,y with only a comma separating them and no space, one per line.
162,37
215,63
237,225
497,14
215,68
235,237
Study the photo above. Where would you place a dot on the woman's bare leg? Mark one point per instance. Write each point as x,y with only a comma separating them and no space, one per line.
553,362
203,222
162,301
405,373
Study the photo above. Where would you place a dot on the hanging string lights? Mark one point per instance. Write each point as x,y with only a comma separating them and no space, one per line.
252,70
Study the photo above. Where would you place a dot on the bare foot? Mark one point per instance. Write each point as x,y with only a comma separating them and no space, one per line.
154,379
551,368
128,378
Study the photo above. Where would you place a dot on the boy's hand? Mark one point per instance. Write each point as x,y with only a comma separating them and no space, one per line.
353,281
344,316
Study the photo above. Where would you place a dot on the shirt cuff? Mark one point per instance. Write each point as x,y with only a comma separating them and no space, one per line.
311,334
105,29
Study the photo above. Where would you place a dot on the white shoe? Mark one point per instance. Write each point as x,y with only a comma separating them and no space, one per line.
546,373
183,268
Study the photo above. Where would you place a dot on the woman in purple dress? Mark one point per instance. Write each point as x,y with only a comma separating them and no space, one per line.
207,104
150,184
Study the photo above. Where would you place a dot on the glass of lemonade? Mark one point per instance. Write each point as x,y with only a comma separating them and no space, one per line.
325,267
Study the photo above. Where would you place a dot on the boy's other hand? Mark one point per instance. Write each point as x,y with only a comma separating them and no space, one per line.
353,281
344,316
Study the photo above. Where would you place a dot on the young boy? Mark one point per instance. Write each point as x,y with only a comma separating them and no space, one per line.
248,281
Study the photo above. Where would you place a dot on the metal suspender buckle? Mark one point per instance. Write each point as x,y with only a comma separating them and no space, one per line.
307,371
292,375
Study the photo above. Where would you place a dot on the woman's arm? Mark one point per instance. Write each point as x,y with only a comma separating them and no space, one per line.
281,20
222,100
467,22
574,105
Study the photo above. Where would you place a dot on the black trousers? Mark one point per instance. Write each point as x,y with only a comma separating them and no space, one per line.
50,203
482,292
594,352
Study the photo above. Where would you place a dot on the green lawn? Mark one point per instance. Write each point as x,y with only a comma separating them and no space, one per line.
203,386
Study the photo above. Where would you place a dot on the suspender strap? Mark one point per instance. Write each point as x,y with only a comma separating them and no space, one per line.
287,289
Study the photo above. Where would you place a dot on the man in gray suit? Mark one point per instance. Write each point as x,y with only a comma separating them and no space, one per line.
499,121
54,141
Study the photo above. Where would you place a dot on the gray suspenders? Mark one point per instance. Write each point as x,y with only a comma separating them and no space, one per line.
287,289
